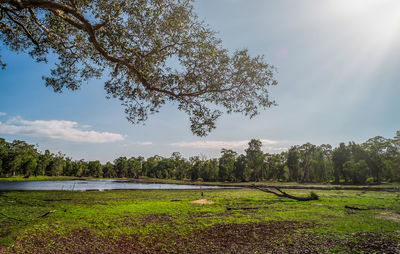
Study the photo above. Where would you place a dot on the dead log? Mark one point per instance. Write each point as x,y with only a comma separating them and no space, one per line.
283,194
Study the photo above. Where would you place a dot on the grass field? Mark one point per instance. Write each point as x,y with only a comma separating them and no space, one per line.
240,220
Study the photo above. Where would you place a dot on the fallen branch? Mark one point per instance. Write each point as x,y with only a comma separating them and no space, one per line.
283,194
355,208
41,216
5,215
45,214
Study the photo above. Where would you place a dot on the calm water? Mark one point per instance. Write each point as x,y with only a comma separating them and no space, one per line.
96,184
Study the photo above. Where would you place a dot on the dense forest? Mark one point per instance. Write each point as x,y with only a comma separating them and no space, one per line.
374,161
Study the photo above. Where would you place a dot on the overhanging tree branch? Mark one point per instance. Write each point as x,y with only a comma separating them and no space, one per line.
154,51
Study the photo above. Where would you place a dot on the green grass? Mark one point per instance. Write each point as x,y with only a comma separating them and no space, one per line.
116,213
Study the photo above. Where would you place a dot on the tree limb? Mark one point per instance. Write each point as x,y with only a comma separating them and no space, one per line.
283,194
27,32
135,42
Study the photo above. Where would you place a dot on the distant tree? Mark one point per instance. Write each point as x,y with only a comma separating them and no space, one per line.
214,169
327,151
392,159
135,166
357,171
181,166
293,164
195,168
241,172
25,158
80,168
108,170
44,160
378,149
377,157
205,171
307,152
3,156
164,168
15,157
226,165
68,167
153,51
340,155
121,166
150,166
56,165
29,167
276,167
255,159
95,169
318,166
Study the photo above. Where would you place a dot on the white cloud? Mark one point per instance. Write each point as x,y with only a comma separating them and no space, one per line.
222,144
144,143
56,129
3,114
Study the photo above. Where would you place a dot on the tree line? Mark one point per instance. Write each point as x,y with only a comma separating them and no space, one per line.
374,161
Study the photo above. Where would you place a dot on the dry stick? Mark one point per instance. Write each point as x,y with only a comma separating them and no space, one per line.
41,216
45,214
283,194
5,215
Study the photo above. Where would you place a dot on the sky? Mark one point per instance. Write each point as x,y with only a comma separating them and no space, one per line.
338,65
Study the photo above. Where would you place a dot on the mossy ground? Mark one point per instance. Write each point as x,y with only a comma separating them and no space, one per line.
167,221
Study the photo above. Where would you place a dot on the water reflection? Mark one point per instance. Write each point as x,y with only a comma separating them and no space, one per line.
97,184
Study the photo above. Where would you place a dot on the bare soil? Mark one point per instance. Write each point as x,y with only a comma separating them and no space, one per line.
203,202
270,237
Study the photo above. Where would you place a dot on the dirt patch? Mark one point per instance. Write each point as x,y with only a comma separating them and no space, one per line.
233,238
241,238
373,243
270,237
354,243
3,249
389,216
4,233
79,241
203,202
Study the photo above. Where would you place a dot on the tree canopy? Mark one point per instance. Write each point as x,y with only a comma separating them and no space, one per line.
152,51
346,164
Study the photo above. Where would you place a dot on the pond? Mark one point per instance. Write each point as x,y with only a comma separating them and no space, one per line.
97,184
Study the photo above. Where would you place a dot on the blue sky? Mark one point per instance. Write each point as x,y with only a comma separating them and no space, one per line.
338,71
